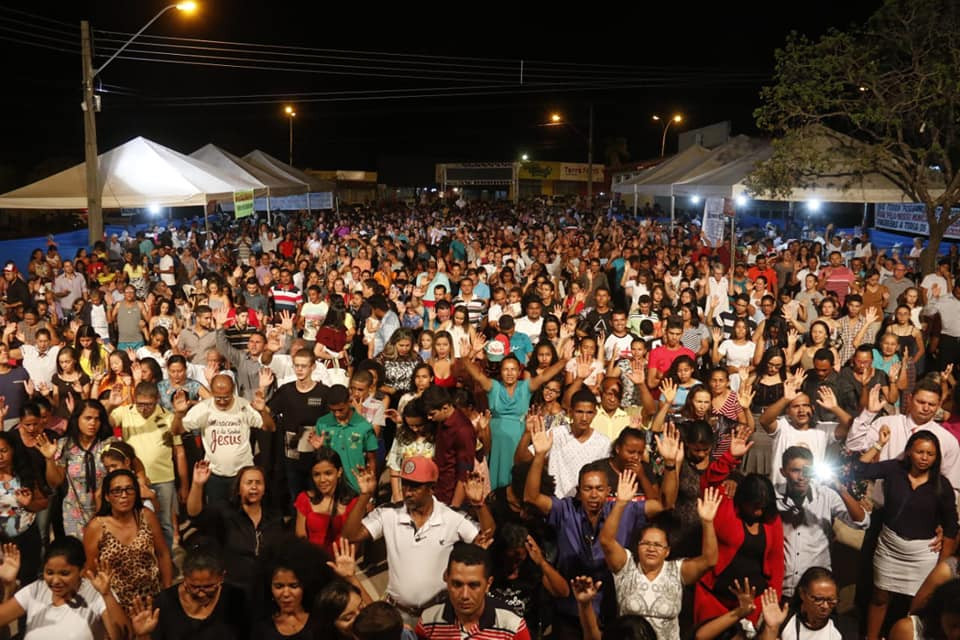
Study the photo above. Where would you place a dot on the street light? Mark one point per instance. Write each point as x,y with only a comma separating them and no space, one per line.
663,141
90,106
524,157
557,119
291,114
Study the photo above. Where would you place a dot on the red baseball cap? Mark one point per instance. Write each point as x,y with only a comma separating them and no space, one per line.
419,469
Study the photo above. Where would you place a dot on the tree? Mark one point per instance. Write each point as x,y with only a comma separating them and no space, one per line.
883,98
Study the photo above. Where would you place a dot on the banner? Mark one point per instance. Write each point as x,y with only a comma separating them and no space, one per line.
910,218
243,203
713,221
566,171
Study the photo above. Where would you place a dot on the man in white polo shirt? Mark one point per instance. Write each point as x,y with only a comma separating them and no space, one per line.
419,534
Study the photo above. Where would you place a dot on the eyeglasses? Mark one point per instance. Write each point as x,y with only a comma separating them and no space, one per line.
203,588
122,491
653,545
820,601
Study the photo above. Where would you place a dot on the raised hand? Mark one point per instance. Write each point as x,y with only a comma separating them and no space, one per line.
883,437
344,562
180,402
4,408
874,401
668,390
209,372
773,613
745,395
46,447
542,440
627,486
793,336
201,472
28,387
746,595
143,617
286,321
717,333
11,564
871,315
100,577
707,505
259,402
534,551
366,480
316,441
585,589
826,398
566,351
895,369
739,444
669,444
484,539
473,488
584,366
482,423
266,377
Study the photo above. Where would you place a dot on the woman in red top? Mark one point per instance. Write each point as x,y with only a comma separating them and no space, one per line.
750,538
323,508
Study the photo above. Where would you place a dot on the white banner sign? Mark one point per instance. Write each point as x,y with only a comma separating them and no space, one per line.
713,221
910,218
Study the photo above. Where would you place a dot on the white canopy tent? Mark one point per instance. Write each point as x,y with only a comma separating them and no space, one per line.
138,173
272,184
282,170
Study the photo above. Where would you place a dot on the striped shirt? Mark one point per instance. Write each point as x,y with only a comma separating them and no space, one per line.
439,622
286,299
476,309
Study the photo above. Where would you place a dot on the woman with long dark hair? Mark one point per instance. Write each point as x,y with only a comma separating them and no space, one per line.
92,354
750,539
76,462
336,608
128,538
917,500
323,508
291,580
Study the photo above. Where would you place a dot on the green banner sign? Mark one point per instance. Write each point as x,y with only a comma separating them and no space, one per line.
243,203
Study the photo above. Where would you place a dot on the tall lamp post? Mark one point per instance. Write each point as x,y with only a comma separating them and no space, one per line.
291,114
555,120
666,125
91,105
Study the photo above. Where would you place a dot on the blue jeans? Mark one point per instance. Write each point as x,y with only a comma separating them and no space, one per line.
166,503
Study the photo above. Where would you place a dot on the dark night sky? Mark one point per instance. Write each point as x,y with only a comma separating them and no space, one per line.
692,52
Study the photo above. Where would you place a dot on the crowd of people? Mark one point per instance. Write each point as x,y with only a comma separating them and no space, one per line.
544,419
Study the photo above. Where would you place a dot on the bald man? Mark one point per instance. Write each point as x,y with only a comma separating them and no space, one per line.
224,422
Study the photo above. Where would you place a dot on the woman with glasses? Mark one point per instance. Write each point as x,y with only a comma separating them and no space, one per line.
650,585
128,538
810,614
201,607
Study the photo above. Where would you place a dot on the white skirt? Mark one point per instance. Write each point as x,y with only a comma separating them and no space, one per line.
900,565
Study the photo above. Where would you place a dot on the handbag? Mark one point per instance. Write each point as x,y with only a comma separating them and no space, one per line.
336,375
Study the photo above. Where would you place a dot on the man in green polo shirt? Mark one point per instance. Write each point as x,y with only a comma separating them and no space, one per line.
348,433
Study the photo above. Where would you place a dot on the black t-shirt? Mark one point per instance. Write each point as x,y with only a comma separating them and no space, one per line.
521,594
17,291
296,413
267,630
228,621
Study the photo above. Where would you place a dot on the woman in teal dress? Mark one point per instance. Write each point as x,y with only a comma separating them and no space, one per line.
509,399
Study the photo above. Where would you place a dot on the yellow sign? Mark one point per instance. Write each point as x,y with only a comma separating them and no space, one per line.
564,171
242,203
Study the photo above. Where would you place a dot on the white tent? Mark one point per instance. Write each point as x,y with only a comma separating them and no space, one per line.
226,161
138,173
680,164
725,181
282,170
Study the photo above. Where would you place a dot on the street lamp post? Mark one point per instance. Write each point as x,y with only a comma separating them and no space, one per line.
667,122
90,106
291,114
557,119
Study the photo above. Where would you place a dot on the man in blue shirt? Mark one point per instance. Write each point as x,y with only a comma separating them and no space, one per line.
578,520
520,344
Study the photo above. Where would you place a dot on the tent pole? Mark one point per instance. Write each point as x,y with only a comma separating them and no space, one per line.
268,207
635,198
673,202
309,209
733,241
863,226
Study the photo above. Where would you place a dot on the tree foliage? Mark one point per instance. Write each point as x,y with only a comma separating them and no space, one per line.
881,98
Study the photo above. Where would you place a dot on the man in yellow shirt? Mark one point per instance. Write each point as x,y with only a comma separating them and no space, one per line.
146,427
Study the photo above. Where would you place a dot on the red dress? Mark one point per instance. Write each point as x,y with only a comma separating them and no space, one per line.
320,531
